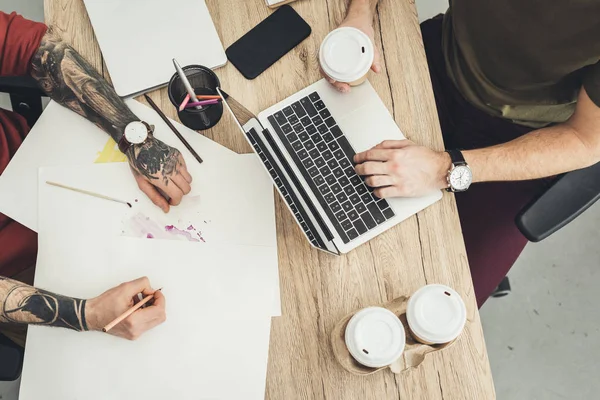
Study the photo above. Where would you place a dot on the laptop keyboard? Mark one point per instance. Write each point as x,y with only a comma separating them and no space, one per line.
325,158
285,189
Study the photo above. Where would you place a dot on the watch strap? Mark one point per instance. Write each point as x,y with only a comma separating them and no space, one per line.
457,157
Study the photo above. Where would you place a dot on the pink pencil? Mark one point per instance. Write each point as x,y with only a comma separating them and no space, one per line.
184,102
202,103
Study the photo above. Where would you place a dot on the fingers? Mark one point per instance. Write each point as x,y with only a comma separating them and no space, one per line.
182,183
340,86
147,318
184,172
387,192
152,193
174,192
394,144
372,168
373,155
380,180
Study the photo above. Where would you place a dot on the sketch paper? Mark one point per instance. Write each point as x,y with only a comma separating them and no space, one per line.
213,334
61,137
232,206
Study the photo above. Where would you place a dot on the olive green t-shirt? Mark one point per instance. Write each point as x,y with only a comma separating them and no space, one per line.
524,60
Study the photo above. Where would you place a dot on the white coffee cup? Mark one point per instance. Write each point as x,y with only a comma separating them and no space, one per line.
436,314
375,337
346,55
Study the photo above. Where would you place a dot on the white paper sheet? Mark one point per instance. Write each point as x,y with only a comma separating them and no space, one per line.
213,345
139,38
61,137
232,205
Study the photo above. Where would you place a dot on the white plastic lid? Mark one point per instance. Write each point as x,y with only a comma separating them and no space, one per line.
436,314
375,337
346,54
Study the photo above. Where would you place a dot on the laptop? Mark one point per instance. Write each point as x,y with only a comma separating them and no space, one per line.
140,38
307,143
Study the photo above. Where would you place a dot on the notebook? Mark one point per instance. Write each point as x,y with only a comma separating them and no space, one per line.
277,3
140,38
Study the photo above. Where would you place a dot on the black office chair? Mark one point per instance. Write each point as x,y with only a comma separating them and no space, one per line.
25,96
11,359
26,99
568,196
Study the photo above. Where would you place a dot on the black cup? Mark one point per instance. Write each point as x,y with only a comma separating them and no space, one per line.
205,82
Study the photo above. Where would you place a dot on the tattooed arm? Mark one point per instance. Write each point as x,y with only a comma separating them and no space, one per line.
71,81
24,304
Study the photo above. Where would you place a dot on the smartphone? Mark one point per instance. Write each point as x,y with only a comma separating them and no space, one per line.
268,41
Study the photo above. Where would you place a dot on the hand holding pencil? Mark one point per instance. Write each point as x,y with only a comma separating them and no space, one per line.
119,312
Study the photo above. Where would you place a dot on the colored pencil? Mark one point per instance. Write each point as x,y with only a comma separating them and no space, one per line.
170,125
184,103
98,195
128,312
207,96
202,103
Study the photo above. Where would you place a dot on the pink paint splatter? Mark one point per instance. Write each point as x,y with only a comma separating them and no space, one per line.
150,236
191,227
176,231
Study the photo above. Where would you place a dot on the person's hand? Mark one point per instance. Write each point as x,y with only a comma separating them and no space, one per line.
102,310
159,168
363,22
401,168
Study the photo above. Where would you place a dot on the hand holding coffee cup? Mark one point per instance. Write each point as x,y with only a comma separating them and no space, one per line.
346,55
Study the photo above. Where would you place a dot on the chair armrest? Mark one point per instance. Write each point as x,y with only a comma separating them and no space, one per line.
569,196
11,359
21,85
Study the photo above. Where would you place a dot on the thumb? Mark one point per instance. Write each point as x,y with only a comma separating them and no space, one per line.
394,144
376,67
140,285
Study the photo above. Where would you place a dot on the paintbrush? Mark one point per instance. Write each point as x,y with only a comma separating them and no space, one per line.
100,196
170,125
129,312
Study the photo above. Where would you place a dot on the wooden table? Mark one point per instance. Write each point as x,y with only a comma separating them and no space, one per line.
317,289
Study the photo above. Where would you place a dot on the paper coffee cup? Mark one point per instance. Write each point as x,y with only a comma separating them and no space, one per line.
436,314
375,337
346,55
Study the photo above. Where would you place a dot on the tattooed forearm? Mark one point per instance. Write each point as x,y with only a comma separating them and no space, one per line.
21,303
71,81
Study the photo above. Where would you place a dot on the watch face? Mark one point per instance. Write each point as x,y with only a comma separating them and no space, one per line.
136,132
461,178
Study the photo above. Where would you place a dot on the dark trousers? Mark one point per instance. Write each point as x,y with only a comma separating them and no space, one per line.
487,210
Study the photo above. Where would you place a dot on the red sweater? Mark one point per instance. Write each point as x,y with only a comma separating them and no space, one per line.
19,40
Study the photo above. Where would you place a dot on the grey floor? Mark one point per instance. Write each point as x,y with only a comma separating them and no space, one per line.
544,339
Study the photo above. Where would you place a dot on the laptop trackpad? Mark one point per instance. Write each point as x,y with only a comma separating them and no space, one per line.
368,126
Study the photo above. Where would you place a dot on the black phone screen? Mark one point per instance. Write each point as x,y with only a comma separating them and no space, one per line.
268,41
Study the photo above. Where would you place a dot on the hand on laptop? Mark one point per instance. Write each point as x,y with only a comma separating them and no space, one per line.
401,168
158,167
103,309
363,22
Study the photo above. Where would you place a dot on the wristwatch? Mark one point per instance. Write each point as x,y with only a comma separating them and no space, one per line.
136,132
460,176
